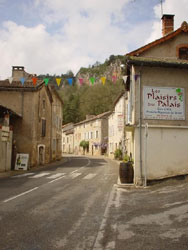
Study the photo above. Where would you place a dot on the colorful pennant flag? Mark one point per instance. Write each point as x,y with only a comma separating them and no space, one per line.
58,81
22,79
114,78
34,79
125,79
70,81
46,80
103,80
10,80
92,80
136,77
81,81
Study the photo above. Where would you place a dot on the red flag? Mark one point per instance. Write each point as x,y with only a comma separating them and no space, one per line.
34,80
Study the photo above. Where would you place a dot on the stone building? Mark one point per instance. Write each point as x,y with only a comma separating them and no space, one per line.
56,124
68,138
157,120
39,116
94,130
116,126
6,138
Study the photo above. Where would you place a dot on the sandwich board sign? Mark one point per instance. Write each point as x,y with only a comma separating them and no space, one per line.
22,161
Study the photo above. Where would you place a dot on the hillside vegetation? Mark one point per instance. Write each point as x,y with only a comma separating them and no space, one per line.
90,99
93,100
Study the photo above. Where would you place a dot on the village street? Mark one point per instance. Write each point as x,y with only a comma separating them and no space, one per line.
77,204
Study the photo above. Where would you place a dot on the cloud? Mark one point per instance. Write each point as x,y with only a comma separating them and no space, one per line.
178,8
82,37
62,35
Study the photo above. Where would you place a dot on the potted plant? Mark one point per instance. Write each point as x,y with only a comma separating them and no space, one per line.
126,171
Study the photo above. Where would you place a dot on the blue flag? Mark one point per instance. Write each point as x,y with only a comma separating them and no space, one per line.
22,80
70,81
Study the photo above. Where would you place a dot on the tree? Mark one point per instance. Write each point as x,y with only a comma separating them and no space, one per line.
85,145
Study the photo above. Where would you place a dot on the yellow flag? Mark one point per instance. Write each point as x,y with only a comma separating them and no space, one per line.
58,80
103,80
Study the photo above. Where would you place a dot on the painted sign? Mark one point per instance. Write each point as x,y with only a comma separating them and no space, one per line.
21,161
164,103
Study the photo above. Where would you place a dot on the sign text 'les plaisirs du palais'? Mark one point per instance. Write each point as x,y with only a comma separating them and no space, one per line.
164,103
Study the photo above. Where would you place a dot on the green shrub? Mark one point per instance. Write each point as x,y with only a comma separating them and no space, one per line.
85,145
127,158
118,154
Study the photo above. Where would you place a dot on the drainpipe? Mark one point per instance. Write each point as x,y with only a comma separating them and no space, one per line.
51,132
22,93
140,123
145,156
124,117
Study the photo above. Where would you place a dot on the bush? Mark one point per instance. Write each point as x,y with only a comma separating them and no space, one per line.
85,145
118,154
127,158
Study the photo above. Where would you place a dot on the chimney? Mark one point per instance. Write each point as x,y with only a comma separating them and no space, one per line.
17,72
167,24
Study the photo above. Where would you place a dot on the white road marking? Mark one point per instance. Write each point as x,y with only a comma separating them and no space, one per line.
89,176
74,175
16,196
74,171
22,175
39,175
54,176
89,162
56,179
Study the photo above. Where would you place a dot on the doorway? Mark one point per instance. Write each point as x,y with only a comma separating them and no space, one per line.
41,154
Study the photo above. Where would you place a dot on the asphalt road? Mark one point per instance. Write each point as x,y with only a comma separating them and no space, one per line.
59,207
77,205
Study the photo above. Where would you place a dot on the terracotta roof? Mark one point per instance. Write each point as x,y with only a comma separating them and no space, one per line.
183,28
100,116
18,85
67,127
157,62
118,97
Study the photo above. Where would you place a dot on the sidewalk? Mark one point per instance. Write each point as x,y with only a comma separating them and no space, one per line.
155,218
17,172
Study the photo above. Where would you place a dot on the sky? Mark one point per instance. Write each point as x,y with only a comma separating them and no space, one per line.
55,36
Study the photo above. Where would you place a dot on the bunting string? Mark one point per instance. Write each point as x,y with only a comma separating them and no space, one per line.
58,80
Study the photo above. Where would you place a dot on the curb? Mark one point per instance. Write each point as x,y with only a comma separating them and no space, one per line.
125,185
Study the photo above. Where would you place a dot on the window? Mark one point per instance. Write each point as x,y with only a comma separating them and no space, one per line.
97,134
43,127
183,53
43,104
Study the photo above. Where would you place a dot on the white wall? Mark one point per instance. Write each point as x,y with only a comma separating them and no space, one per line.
166,152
